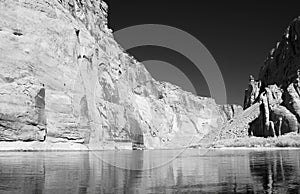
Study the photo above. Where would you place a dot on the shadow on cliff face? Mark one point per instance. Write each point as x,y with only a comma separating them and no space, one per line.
136,134
40,108
40,104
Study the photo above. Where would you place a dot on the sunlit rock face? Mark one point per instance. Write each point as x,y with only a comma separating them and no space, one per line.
63,78
231,110
279,87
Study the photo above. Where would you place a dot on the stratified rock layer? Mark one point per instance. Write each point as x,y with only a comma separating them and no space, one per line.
63,78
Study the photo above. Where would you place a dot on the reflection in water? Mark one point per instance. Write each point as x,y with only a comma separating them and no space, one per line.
276,171
223,171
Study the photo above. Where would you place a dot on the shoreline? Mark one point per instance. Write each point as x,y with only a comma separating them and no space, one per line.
257,148
34,146
76,147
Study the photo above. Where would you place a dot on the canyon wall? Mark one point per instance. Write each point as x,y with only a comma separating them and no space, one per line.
278,88
63,78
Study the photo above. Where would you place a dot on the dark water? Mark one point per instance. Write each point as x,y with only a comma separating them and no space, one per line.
218,171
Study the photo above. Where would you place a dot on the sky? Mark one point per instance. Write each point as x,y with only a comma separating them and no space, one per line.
238,34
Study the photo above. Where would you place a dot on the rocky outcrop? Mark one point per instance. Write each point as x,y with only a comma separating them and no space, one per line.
22,110
282,64
230,111
279,91
274,119
236,127
63,78
252,92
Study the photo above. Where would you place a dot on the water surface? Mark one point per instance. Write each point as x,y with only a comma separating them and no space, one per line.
194,171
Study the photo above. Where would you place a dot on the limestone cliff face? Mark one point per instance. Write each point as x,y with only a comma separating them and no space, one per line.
278,87
63,78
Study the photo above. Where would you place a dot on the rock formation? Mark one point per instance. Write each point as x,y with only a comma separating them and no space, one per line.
278,88
271,103
63,78
252,92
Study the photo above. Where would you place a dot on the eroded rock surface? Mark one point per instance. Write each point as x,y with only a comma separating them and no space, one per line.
271,103
279,91
63,78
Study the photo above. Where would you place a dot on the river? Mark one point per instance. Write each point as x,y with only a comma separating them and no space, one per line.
151,171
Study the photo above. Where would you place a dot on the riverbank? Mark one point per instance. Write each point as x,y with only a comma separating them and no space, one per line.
291,140
33,146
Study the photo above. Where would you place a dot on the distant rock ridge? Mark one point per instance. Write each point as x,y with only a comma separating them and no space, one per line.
63,78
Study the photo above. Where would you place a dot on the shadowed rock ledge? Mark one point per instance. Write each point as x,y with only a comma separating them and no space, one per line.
64,79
